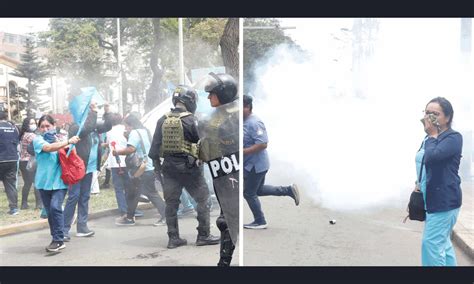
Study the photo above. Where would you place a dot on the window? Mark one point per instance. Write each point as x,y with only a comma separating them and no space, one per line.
10,38
1,71
13,55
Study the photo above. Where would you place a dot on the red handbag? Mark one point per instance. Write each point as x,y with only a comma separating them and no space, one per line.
73,168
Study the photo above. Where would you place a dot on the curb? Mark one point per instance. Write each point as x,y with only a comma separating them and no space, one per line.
462,244
43,224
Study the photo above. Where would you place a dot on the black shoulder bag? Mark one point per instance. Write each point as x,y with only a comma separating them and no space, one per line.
416,205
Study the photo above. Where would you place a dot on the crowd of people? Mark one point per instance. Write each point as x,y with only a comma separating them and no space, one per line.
135,162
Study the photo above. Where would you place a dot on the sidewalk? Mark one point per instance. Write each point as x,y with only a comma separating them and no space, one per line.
463,233
42,224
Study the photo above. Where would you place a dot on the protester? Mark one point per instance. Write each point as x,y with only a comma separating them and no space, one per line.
139,138
256,166
48,178
27,134
438,162
89,151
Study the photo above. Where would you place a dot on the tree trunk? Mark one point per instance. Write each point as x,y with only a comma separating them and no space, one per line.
153,94
230,47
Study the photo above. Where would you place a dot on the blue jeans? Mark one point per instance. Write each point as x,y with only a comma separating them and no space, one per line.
254,186
79,194
53,201
121,181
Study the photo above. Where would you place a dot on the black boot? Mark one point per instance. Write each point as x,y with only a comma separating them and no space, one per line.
227,246
205,238
175,241
226,249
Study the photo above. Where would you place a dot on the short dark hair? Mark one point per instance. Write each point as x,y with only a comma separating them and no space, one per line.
115,119
248,102
133,121
445,106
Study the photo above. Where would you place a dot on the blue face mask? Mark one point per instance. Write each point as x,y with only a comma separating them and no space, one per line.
50,136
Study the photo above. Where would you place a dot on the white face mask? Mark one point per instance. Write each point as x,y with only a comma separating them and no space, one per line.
33,128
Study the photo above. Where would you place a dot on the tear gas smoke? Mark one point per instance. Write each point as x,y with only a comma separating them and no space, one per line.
349,151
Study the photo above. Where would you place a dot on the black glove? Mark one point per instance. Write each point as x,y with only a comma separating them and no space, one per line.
157,165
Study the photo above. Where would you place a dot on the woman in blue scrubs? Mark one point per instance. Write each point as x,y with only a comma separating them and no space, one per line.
48,178
438,161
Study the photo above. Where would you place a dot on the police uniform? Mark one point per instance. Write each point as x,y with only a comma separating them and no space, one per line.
220,149
9,140
177,145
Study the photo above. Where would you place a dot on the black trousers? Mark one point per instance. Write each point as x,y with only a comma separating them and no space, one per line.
108,173
8,174
28,180
145,184
194,183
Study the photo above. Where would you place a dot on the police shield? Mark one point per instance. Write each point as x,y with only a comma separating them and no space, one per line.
219,148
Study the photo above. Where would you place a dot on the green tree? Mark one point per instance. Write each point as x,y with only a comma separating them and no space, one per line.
258,43
86,48
75,53
33,69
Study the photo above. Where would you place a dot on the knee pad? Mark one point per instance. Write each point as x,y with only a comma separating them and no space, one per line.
221,223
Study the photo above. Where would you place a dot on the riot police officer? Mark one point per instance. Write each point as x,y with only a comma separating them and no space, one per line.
220,150
176,141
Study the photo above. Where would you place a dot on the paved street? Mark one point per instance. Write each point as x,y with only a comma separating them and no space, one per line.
139,245
303,236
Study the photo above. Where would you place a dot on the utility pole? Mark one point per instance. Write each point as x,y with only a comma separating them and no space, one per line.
181,56
120,102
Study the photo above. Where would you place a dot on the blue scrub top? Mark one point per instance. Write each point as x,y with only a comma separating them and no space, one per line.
92,163
48,169
255,133
419,159
134,140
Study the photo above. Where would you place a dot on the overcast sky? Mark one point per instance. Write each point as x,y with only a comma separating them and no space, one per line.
23,25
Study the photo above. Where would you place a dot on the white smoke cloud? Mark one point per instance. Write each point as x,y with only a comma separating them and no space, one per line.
349,152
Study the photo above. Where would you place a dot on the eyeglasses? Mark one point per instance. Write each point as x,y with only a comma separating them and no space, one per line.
427,112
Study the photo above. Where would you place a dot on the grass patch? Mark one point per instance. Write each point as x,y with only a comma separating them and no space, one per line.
102,201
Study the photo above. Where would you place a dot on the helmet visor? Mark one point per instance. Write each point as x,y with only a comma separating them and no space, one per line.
210,83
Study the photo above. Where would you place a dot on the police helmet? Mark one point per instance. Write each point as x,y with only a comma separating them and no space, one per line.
186,95
223,85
